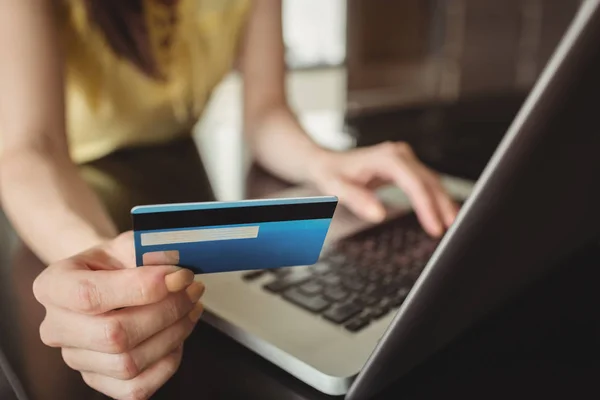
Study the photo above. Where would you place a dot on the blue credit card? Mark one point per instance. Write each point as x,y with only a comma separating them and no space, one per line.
214,237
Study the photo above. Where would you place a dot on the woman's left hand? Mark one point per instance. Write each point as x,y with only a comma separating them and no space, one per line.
353,176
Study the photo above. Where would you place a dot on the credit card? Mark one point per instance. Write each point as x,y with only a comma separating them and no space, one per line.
212,237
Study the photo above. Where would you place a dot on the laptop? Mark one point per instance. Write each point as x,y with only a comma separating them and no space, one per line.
10,387
384,298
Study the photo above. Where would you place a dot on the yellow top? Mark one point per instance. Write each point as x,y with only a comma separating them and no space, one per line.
110,104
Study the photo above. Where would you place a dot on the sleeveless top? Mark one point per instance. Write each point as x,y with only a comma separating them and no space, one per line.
111,104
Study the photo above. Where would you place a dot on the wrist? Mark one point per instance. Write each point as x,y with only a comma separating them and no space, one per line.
85,239
318,163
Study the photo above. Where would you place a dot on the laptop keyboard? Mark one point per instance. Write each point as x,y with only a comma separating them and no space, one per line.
361,278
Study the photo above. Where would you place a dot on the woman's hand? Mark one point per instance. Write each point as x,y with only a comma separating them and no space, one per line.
353,176
122,327
283,148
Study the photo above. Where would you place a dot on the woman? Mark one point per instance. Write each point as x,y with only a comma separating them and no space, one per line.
83,79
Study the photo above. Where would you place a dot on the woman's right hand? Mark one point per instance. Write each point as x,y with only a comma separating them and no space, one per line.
120,326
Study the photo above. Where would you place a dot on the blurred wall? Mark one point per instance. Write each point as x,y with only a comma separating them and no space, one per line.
413,52
351,60
314,32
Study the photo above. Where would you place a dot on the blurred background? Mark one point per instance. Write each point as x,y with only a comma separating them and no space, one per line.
447,76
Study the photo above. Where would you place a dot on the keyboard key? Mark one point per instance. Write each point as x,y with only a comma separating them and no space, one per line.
370,289
420,253
252,275
331,279
280,284
403,292
401,260
401,282
357,324
411,237
386,303
277,286
311,287
368,300
430,246
389,286
336,259
347,270
376,292
377,312
397,301
375,276
369,245
320,268
399,298
341,313
413,275
335,293
353,284
280,271
363,272
418,265
311,303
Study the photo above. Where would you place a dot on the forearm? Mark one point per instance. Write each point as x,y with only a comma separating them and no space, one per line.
278,141
54,211
281,146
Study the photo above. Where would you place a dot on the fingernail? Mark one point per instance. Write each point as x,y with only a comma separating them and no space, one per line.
172,257
437,230
179,280
451,218
195,291
196,313
376,214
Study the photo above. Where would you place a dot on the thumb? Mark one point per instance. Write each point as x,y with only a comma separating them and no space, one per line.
122,253
98,291
360,200
93,283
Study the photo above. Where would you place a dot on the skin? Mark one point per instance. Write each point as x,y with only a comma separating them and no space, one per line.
38,181
282,146
133,338
122,327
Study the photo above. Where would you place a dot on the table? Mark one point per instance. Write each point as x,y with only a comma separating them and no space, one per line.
546,343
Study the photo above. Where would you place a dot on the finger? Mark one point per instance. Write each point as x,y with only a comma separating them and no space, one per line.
122,249
120,253
377,183
128,365
426,209
70,286
405,174
170,257
359,200
447,207
141,387
118,331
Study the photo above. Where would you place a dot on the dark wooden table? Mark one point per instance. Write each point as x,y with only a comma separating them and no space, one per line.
543,345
